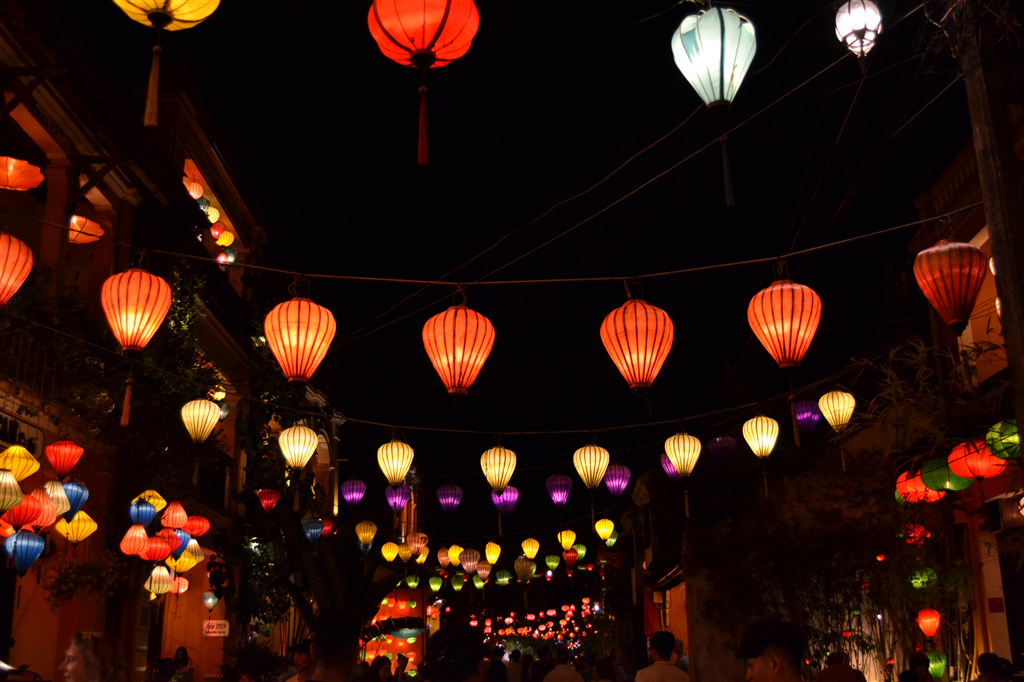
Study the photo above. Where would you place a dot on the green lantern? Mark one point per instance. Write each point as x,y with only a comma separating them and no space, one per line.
922,578
412,603
936,474
899,498
458,580
938,663
502,577
1003,441
612,539
435,582
581,551
413,581
478,582
552,560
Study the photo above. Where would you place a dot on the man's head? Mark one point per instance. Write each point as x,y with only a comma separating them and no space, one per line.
542,652
562,656
679,648
988,665
772,650
336,641
301,656
516,655
662,644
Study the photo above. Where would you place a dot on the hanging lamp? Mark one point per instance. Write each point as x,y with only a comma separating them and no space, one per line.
761,433
48,514
683,450
950,276
63,456
15,265
449,496
19,175
591,462
531,547
298,445
135,541
135,304
299,333
20,462
395,458
200,417
268,499
784,318
1003,440
638,338
458,342
352,491
77,529
159,581
858,23
558,486
492,551
81,230
713,49
498,464
365,530
616,478
604,528
972,459
566,538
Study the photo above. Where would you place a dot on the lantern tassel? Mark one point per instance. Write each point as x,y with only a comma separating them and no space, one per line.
126,409
729,199
295,504
765,483
499,524
149,119
422,148
842,456
792,413
686,500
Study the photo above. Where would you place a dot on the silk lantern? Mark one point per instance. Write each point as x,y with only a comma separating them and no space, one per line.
492,551
502,577
197,526
807,415
558,486
23,514
63,456
483,570
54,489
443,558
394,459
469,558
352,492
683,450
612,539
19,175
936,474
48,511
566,538
404,553
950,276
1003,440
389,551
154,498
298,445
928,620
15,265
458,342
581,550
669,468
604,528
713,49
157,550
194,189
365,530
525,569
210,600
141,513
313,528
299,333
77,494
159,581
24,547
78,528
397,496
268,499
135,541
972,459
454,551
435,583
761,433
837,408
20,461
591,461
200,416
616,478
458,581
858,23
784,318
638,338
413,581
449,496
911,488
506,501
174,516
81,230
552,561
936,663
531,547
571,556
498,463
135,304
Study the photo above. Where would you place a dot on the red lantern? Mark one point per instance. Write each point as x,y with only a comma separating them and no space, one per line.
328,526
638,338
950,276
426,34
217,229
299,332
268,498
19,175
174,516
928,620
847,633
570,556
915,534
913,489
135,303
972,459
880,557
135,541
15,264
158,549
458,342
23,514
784,318
63,455
197,526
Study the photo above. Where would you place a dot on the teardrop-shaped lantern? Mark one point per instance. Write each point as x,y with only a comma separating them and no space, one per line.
63,456
135,541
761,433
784,318
566,538
458,342
669,468
54,489
20,461
313,529
404,553
179,585
604,528
713,49
210,600
638,338
135,303
48,512
483,569
200,416
558,486
397,496
492,551
19,175
299,333
525,569
571,556
505,502
950,276
298,445
591,461
365,531
77,529
449,496
552,561
858,23
683,450
807,415
174,516
616,478
443,558
159,581
498,463
394,459
454,551
531,547
197,526
581,550
77,494
928,620
268,499
436,582
389,551
154,498
469,559
837,408
24,547
417,541
15,264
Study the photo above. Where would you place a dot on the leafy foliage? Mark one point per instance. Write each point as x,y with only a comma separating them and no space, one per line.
87,578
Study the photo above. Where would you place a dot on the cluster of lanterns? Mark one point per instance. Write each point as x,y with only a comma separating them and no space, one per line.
567,623
222,236
173,550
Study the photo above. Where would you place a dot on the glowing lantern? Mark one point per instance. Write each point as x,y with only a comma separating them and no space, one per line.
612,539
936,474
79,528
498,463
47,510
566,538
194,189
209,600
212,213
313,529
858,23
174,516
389,551
950,276
20,461
15,264
936,663
228,256
478,582
19,175
683,450
604,528
435,582
784,318
352,492
506,501
669,468
179,585
1003,440
912,489
571,556
417,541
225,239
807,415
200,416
525,569
581,551
449,496
404,553
591,461
923,578
135,304
458,581
928,620
454,552
24,547
552,561
469,558
483,569
973,460
398,496
217,229
157,550
77,495
154,498
458,342
63,456
197,526
616,478
713,50
638,338
413,581
299,332
84,231
558,486
54,489
394,459
531,547
23,514
268,499
298,445
502,577
423,34
159,581
443,558
135,541
183,540
492,551
365,530
421,558
837,408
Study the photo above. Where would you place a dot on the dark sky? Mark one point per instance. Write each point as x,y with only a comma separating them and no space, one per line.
551,97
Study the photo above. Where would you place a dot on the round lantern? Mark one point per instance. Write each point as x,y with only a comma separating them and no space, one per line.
174,516
404,553
928,620
936,474
435,583
212,214
713,50
784,318
313,529
858,23
972,459
449,496
365,530
591,461
807,415
200,416
299,332
394,459
63,456
194,189
616,478
506,501
911,488
197,526
531,547
1003,440
227,256
135,303
19,175
352,492
483,569
157,550
77,494
469,558
24,514
837,408
20,461
183,540
417,541
525,569
226,239
15,264
683,450
84,231
79,528
566,538
950,276
268,499
298,445
48,512
669,468
604,528
558,486
210,600
498,463
443,558
54,489
24,547
135,541
397,496
458,342
492,551
389,551
159,581
638,338
761,433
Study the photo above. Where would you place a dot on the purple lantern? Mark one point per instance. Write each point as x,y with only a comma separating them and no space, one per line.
398,496
353,490
722,448
559,487
506,501
616,478
669,468
807,415
449,495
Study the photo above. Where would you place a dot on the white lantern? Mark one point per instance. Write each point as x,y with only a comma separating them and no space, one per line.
714,49
858,23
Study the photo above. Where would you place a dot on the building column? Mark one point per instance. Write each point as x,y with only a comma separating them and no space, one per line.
53,238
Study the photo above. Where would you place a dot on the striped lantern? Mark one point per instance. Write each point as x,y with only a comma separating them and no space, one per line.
394,459
200,416
15,264
63,455
683,450
458,342
784,318
135,304
498,463
299,333
638,338
591,461
298,445
950,276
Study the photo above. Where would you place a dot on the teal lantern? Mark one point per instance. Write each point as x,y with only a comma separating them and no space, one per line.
922,578
1003,441
435,583
503,577
936,474
478,582
413,581
937,665
612,539
552,561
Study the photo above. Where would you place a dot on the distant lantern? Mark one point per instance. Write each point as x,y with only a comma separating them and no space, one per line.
458,342
157,550
54,489
365,531
425,34
389,551
417,541
200,416
15,264
784,318
571,556
638,338
449,496
227,257
911,488
683,450
616,478
48,511
413,581
469,558
525,569
225,239
505,502
268,499
174,516
397,496
498,464
19,175
566,538
210,600
435,583
492,551
458,581
135,304
135,541
159,581
713,49
722,448
552,561
299,333
591,461
212,214
1003,440
64,455
298,445
454,551
394,459
950,276
581,550
194,189
154,498
24,547
858,23
936,474
443,558
483,569
761,433
604,528
837,408
20,461
81,230
313,529
352,492
612,539
558,486
197,526
217,229
928,620
807,415
78,528
404,553
179,585
531,547
972,459
669,468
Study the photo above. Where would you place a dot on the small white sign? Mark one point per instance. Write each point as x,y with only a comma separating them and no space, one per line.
215,628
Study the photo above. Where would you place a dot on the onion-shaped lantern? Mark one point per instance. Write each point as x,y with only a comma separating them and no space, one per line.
157,550
298,445
24,548
15,264
413,581
936,475
669,468
210,600
135,304
436,582
761,433
389,551
200,416
498,463
449,496
505,502
77,494
807,415
458,342
48,512
910,488
483,569
398,496
722,448
352,492
19,175
197,526
566,538
492,551
268,499
24,514
469,558
63,456
713,49
135,541
591,461
558,486
972,459
77,529
638,338
525,568
174,516
54,489
837,408
299,332
928,620
950,276
1003,440
784,318
531,547
604,528
20,461
81,230
394,459
313,528
443,558
616,478
159,581
365,531
683,450
858,23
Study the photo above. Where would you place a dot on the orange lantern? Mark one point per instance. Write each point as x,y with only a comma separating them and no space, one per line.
48,514
784,318
912,489
458,342
135,541
15,264
194,189
299,332
928,620
174,516
64,455
135,303
425,34
157,549
638,338
972,459
84,231
950,276
19,175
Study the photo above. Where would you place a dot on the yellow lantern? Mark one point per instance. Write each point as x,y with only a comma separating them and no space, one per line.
394,459
530,548
498,463
453,554
365,530
566,538
389,551
492,551
20,461
11,495
54,489
154,498
189,559
837,408
760,434
218,394
78,529
404,551
683,450
159,581
200,416
298,444
213,214
591,461
604,528
225,239
421,558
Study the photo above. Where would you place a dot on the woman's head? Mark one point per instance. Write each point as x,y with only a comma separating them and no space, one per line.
379,664
181,655
93,657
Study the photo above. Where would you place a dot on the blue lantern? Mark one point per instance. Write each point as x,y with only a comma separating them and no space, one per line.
365,548
313,528
24,547
184,537
77,495
204,203
209,599
224,409
142,513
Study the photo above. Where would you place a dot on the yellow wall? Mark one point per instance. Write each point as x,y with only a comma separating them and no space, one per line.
183,626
